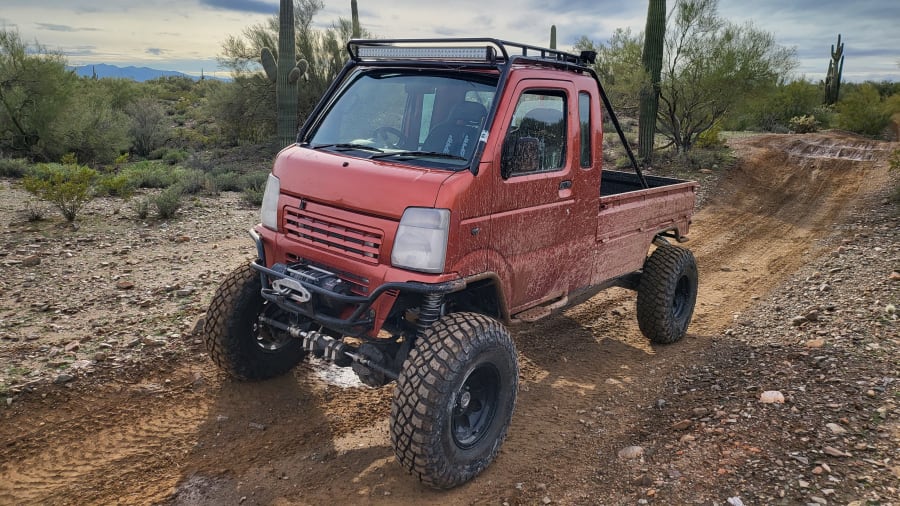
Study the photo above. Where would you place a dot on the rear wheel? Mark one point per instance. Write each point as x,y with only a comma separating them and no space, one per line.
454,399
235,338
667,294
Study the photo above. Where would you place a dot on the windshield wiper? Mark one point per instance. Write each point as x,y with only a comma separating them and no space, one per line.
432,154
346,146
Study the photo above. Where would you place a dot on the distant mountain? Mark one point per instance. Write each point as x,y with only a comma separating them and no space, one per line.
139,74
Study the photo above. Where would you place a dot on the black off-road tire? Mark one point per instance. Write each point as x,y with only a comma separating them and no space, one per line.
667,294
454,399
236,341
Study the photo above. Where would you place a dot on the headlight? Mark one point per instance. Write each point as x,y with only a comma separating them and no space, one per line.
268,213
421,242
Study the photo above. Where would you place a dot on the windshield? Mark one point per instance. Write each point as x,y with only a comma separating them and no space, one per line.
428,118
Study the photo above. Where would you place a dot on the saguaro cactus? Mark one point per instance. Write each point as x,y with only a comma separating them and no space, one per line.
285,72
835,69
652,57
354,16
553,37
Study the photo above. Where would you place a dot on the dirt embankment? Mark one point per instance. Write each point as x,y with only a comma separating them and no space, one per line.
153,422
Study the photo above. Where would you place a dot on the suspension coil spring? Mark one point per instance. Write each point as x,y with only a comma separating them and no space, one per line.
429,312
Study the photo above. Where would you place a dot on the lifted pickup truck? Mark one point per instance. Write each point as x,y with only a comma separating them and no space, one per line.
441,190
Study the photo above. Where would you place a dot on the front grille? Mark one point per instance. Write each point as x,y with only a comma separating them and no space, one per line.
332,234
358,284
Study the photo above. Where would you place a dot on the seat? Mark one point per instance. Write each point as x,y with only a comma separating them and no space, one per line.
548,126
459,134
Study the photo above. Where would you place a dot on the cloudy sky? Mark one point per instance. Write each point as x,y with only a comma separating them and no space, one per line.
187,35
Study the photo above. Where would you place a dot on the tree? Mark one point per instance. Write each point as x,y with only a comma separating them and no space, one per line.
711,65
35,88
619,68
149,128
322,49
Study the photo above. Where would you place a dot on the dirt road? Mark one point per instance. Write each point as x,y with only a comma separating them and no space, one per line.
179,432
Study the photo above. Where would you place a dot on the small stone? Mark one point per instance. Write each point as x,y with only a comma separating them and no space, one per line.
31,261
63,378
834,452
687,438
644,480
835,428
735,501
803,483
771,397
682,425
798,320
73,346
184,292
257,426
631,452
124,285
812,316
221,418
815,343
817,500
546,500
182,238
700,412
895,276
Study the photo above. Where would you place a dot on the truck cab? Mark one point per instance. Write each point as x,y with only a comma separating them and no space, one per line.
441,190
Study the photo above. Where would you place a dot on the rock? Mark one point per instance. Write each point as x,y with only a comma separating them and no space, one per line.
644,480
31,261
700,412
834,452
185,292
257,426
815,343
735,501
546,500
124,285
812,316
631,452
73,346
63,378
836,429
798,320
895,276
817,500
152,341
682,425
771,397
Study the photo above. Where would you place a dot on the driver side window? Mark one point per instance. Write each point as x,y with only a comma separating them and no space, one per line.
536,138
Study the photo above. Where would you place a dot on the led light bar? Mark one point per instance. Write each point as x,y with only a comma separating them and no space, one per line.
479,53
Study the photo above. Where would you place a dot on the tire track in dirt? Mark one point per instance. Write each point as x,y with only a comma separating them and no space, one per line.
587,375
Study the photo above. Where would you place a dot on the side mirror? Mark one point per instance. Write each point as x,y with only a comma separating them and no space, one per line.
521,155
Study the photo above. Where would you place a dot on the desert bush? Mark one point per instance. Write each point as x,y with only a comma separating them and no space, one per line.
149,127
168,202
253,185
14,167
116,185
228,181
193,182
152,174
710,138
142,208
862,111
804,124
175,156
68,187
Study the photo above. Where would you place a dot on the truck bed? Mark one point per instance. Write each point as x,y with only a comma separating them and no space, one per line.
630,216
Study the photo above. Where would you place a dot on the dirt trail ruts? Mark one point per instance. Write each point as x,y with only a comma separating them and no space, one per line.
186,434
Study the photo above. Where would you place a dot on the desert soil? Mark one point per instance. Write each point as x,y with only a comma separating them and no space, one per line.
108,396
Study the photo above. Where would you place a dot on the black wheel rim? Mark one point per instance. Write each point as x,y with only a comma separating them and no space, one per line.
267,338
682,296
475,406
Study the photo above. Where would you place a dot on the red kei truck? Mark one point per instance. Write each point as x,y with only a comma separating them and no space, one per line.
440,191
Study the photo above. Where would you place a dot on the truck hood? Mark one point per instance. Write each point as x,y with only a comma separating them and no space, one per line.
370,186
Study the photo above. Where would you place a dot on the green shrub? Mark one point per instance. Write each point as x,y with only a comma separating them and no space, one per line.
168,202
862,111
710,138
117,185
142,208
175,156
804,124
227,181
13,167
253,196
150,174
68,187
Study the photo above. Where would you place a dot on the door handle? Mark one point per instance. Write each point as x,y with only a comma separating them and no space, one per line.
565,185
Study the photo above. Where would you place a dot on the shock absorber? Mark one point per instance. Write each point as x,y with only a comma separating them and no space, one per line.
429,312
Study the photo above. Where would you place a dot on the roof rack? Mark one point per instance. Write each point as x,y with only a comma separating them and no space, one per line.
463,50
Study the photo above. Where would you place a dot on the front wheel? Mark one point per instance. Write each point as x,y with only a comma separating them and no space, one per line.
237,341
667,294
454,399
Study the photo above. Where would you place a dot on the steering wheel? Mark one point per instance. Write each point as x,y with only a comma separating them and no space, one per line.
383,136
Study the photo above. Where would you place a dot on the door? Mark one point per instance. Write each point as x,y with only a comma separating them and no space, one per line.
538,223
